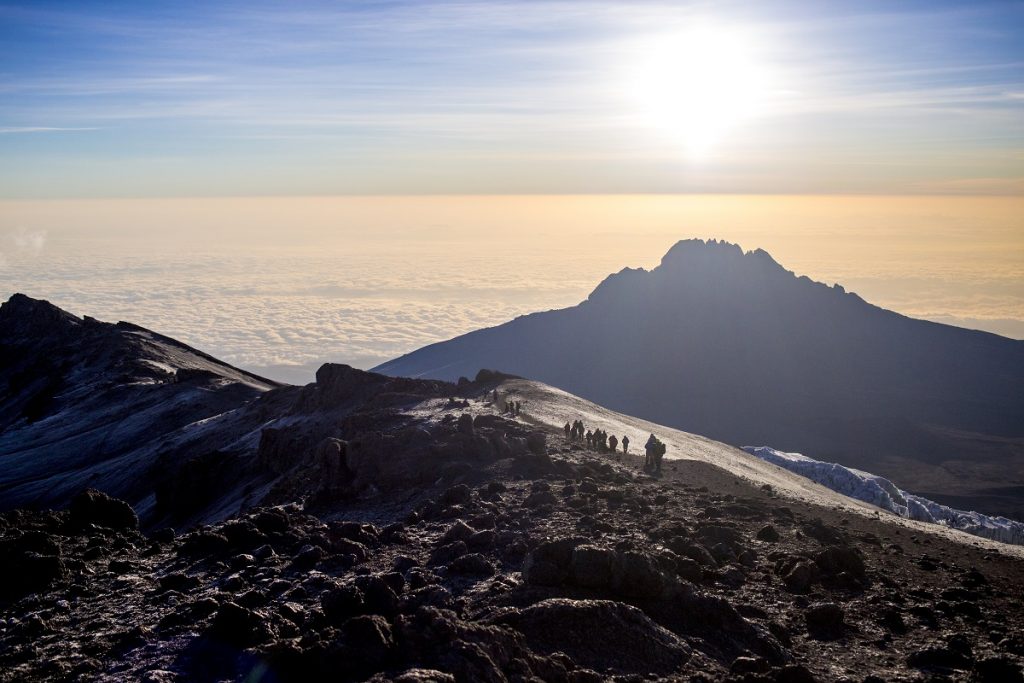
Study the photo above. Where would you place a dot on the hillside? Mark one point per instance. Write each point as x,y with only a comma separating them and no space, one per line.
373,528
731,345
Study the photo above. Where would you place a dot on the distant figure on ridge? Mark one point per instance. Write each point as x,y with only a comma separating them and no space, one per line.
613,443
625,445
568,430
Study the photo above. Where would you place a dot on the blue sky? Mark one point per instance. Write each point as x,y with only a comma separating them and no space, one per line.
111,99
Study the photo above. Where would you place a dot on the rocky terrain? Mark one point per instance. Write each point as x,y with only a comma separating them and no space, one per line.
496,551
373,528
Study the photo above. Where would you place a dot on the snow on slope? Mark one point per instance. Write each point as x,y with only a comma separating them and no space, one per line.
546,405
882,493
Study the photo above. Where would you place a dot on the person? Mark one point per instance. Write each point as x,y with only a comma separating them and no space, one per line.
625,444
568,430
590,438
519,407
659,453
613,443
494,397
649,449
655,452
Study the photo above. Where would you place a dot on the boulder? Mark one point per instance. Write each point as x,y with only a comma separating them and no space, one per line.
548,563
599,634
95,507
342,603
637,575
536,442
591,567
473,564
30,572
825,620
368,642
800,577
239,626
465,424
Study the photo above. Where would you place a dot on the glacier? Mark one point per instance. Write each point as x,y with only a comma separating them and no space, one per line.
882,493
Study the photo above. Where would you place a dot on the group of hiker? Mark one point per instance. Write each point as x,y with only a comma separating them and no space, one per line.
513,408
600,440
597,439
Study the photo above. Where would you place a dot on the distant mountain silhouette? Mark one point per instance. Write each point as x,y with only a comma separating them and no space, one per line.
733,346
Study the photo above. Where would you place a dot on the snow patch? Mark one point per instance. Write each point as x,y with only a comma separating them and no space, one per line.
882,493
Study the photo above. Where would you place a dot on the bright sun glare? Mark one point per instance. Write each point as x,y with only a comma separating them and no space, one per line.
696,85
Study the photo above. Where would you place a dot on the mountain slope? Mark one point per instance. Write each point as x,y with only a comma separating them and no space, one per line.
471,545
80,400
181,436
731,345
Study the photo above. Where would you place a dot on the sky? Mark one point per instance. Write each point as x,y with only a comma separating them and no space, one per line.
130,99
287,183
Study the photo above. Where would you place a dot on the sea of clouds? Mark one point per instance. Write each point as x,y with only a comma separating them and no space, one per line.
357,289
284,315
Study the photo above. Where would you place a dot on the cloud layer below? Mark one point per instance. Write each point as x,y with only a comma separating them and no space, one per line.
281,285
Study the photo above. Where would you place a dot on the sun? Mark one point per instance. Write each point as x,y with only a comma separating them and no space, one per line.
697,85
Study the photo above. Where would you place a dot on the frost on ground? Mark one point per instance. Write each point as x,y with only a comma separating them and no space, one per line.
882,493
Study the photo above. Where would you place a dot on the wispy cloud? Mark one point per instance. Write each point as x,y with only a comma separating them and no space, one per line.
547,81
15,130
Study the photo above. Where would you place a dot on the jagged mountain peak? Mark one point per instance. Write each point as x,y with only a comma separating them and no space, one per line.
22,313
697,267
717,260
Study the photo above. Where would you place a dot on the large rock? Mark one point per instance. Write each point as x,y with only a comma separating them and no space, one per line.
599,634
825,620
637,575
95,507
329,460
29,572
548,563
591,566
368,642
239,626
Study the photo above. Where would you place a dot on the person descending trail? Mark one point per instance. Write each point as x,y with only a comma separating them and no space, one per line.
568,430
613,444
590,438
625,445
